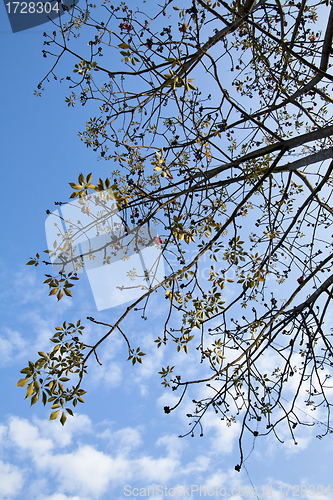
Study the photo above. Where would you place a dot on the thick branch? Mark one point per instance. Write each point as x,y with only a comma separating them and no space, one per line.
286,145
307,160
310,300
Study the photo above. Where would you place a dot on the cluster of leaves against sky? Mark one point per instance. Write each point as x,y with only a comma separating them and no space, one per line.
238,176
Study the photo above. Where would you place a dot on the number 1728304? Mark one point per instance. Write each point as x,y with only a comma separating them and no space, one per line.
31,7
304,490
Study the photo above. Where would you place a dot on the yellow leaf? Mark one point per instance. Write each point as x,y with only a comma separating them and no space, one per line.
63,418
34,399
22,382
54,415
30,389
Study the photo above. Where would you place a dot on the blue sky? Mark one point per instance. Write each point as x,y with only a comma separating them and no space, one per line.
121,435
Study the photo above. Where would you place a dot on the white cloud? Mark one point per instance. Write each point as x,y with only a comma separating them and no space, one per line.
224,437
62,466
3,434
110,374
219,478
82,469
12,344
167,399
200,464
63,436
32,291
173,445
60,496
148,469
62,462
152,361
11,480
129,438
27,437
123,440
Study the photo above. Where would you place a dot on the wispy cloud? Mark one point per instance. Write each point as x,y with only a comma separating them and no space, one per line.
11,480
